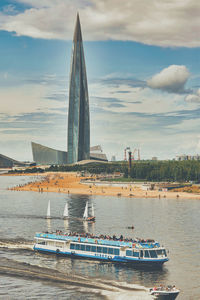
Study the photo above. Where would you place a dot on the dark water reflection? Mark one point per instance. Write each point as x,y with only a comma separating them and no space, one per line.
175,223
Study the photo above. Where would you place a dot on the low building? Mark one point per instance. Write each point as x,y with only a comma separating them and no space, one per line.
113,158
8,162
48,156
43,155
187,157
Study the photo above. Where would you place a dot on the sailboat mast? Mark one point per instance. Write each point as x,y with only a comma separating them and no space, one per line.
49,211
92,210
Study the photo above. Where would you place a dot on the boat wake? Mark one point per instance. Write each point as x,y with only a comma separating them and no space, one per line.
18,244
15,216
108,289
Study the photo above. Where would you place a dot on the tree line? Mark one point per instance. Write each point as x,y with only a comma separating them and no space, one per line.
141,170
167,171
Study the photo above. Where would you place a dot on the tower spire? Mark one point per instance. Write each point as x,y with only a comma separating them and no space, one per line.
77,31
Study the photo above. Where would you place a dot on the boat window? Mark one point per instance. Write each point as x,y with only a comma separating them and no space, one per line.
141,253
116,251
77,246
159,252
110,250
88,248
41,243
93,248
129,253
72,246
59,244
146,253
136,254
99,249
153,253
83,247
105,250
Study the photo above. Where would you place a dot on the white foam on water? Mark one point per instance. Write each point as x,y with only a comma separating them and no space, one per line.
119,291
23,246
126,295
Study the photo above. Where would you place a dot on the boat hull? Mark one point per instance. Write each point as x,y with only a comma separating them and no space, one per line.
167,296
116,259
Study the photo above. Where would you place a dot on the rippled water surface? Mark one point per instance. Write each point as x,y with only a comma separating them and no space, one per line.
174,223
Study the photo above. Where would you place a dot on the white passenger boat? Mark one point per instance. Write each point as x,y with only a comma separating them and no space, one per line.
133,252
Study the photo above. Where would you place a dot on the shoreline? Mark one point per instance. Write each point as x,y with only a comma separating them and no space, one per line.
70,183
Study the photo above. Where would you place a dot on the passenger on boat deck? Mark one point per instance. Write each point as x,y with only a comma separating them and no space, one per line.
105,237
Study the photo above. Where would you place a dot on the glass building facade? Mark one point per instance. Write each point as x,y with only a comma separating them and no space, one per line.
78,116
47,156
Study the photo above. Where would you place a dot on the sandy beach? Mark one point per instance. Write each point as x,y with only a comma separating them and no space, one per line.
70,183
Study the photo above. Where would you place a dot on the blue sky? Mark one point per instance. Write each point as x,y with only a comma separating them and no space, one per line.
143,68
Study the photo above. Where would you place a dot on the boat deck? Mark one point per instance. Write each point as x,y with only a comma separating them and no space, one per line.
116,243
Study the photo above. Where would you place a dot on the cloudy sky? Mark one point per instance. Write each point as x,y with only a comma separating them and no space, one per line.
143,68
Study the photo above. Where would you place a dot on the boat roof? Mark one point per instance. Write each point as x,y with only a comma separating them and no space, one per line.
130,244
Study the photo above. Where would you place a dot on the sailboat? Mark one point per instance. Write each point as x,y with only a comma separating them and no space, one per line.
48,211
65,213
86,216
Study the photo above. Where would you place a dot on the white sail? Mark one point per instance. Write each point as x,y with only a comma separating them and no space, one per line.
92,210
66,214
85,215
66,224
48,211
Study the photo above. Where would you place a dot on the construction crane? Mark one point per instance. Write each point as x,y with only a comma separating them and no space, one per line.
125,153
138,154
133,153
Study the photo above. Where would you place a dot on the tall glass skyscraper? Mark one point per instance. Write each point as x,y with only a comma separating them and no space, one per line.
78,115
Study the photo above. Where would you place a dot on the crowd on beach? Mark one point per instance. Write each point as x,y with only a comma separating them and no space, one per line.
104,237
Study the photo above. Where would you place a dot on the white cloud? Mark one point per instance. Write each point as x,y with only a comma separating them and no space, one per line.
157,22
28,98
171,79
138,100
194,98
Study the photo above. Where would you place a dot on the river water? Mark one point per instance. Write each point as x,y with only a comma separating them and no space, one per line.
27,275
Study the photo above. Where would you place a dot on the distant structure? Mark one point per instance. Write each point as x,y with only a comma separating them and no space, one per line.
138,154
47,156
129,159
7,162
154,158
125,153
78,116
187,157
96,153
78,139
43,155
113,158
